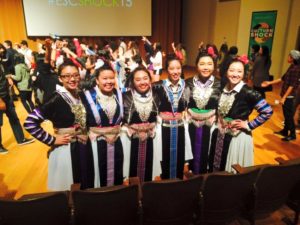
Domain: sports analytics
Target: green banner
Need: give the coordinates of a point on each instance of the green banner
(262, 29)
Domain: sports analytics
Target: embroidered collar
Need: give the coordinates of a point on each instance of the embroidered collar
(69, 98)
(171, 85)
(77, 108)
(108, 103)
(174, 97)
(143, 105)
(144, 95)
(237, 88)
(208, 83)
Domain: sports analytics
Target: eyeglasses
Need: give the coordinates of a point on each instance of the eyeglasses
(69, 76)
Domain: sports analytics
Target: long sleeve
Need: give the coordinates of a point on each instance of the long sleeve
(265, 112)
(149, 48)
(78, 47)
(33, 125)
(18, 73)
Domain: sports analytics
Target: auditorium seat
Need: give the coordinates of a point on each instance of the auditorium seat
(224, 196)
(293, 201)
(37, 209)
(109, 205)
(271, 190)
(170, 202)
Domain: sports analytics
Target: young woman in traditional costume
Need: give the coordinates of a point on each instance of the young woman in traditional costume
(71, 158)
(175, 138)
(204, 91)
(232, 142)
(140, 123)
(105, 114)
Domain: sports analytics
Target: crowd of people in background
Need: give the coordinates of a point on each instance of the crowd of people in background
(114, 118)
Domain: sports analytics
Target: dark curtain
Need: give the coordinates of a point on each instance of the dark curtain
(166, 22)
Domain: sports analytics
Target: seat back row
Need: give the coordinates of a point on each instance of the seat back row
(211, 199)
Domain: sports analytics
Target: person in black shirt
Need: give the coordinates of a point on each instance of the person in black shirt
(10, 108)
(10, 64)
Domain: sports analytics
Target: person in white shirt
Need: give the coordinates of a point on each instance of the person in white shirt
(157, 61)
(27, 52)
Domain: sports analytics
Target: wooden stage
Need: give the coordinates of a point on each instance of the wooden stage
(24, 169)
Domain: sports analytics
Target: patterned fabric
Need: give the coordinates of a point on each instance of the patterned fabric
(173, 87)
(174, 97)
(201, 85)
(202, 91)
(225, 102)
(246, 99)
(92, 99)
(173, 150)
(142, 160)
(77, 108)
(32, 125)
(219, 150)
(291, 78)
(143, 105)
(265, 112)
(110, 164)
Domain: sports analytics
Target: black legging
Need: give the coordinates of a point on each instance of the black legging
(288, 112)
(26, 100)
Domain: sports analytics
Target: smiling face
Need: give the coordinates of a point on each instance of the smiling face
(174, 71)
(70, 78)
(205, 66)
(141, 81)
(235, 73)
(106, 81)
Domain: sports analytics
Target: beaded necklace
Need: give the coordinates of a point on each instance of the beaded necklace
(108, 104)
(174, 96)
(201, 95)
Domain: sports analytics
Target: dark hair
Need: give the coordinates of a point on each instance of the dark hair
(67, 62)
(4, 51)
(157, 47)
(255, 48)
(71, 46)
(202, 53)
(131, 76)
(224, 48)
(296, 61)
(171, 57)
(8, 42)
(104, 54)
(113, 45)
(23, 42)
(38, 57)
(106, 66)
(65, 39)
(178, 46)
(92, 58)
(233, 50)
(138, 59)
(266, 54)
(19, 58)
